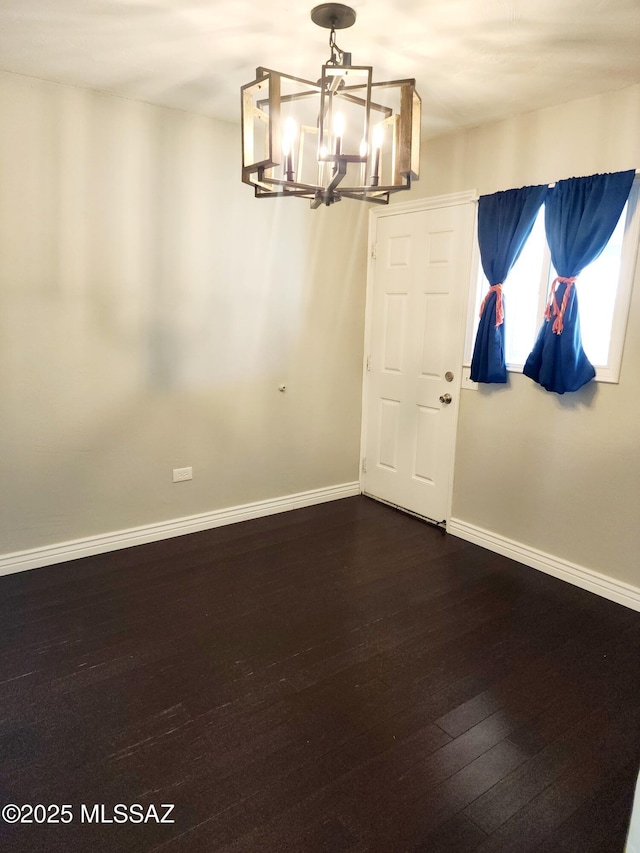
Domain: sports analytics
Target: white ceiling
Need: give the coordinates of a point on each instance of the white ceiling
(474, 60)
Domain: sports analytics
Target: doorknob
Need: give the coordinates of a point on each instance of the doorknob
(446, 399)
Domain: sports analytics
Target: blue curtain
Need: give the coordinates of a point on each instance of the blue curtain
(580, 217)
(505, 221)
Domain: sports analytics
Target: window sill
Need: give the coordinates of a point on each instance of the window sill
(603, 374)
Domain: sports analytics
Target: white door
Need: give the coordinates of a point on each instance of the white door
(417, 297)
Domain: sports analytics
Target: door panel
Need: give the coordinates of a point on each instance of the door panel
(434, 311)
(388, 444)
(420, 281)
(394, 330)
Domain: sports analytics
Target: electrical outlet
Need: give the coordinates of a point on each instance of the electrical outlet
(182, 474)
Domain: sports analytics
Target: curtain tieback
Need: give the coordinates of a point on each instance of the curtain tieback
(552, 304)
(497, 289)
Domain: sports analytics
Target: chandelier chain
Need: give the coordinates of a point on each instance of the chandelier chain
(336, 52)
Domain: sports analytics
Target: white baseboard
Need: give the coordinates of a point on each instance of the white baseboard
(622, 593)
(35, 558)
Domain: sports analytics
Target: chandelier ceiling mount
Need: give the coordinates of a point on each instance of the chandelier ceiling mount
(333, 16)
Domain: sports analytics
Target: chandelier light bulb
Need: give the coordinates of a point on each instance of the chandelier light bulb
(288, 139)
(377, 138)
(289, 135)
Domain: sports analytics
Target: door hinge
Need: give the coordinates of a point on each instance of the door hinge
(373, 251)
(364, 465)
(368, 364)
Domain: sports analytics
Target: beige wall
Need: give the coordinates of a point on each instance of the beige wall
(149, 309)
(560, 474)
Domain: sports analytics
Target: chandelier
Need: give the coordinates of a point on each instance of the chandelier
(340, 137)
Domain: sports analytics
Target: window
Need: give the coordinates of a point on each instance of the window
(603, 288)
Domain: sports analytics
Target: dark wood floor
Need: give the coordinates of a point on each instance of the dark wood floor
(341, 678)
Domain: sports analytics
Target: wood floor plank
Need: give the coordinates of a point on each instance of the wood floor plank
(341, 678)
(585, 773)
(590, 828)
(454, 835)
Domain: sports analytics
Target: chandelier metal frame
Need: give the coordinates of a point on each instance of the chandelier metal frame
(340, 137)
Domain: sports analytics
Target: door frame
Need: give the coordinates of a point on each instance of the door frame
(376, 213)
